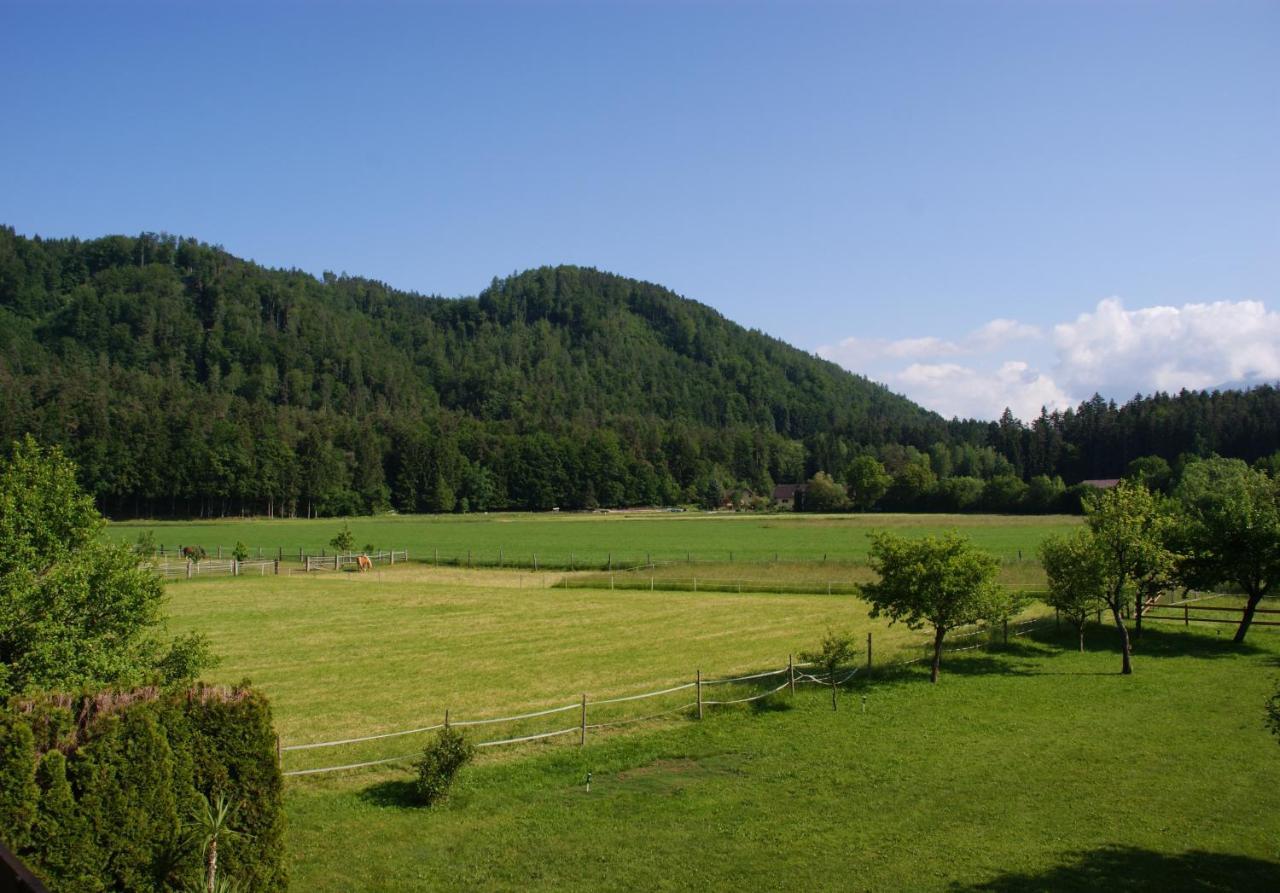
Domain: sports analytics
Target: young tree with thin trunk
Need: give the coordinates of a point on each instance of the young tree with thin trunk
(1127, 529)
(1229, 518)
(939, 582)
(1076, 577)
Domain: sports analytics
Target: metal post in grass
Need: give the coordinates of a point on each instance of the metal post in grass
(582, 736)
(698, 683)
(791, 674)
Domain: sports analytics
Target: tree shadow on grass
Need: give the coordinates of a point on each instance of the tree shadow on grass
(1137, 870)
(1155, 642)
(396, 793)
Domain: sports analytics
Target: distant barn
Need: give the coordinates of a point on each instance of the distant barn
(785, 494)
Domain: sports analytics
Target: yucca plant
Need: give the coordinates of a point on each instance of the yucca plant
(211, 825)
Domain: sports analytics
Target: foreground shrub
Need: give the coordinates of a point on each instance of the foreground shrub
(99, 789)
(440, 763)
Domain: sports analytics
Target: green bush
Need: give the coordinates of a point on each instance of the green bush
(96, 791)
(240, 552)
(440, 763)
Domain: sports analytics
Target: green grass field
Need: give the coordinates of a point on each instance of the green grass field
(592, 539)
(1028, 767)
(346, 655)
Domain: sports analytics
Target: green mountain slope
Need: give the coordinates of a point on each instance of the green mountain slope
(184, 379)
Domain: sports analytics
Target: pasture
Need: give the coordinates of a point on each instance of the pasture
(625, 538)
(1030, 766)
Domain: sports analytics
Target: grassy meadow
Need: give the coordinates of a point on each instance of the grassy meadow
(1030, 766)
(347, 655)
(628, 538)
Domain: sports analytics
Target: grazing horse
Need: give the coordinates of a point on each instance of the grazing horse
(364, 563)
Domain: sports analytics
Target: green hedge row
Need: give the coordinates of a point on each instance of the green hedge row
(97, 792)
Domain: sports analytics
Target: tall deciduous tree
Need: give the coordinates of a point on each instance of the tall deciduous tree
(1231, 528)
(75, 609)
(939, 582)
(1076, 577)
(1128, 529)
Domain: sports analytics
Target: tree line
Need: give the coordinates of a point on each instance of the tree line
(184, 381)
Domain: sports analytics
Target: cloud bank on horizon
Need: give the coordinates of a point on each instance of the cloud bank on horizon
(1110, 350)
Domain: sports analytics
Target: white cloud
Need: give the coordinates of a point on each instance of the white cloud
(990, 336)
(1119, 351)
(955, 390)
(1110, 350)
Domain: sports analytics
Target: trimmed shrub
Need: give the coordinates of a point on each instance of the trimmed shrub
(112, 779)
(440, 763)
(18, 791)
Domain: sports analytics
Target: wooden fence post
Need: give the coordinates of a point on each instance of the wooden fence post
(1186, 615)
(235, 567)
(188, 568)
(582, 737)
(277, 567)
(791, 674)
(698, 681)
(279, 750)
(219, 551)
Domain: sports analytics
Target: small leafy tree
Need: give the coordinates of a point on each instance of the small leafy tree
(1230, 524)
(1076, 577)
(240, 552)
(837, 650)
(345, 540)
(939, 582)
(145, 545)
(822, 494)
(440, 763)
(867, 481)
(1128, 530)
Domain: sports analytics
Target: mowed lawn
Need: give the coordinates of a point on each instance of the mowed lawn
(346, 655)
(628, 538)
(1029, 767)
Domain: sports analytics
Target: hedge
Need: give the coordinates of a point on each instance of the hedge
(97, 791)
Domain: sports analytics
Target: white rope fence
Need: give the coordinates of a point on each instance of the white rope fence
(792, 672)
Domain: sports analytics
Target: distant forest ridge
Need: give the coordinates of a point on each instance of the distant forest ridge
(185, 381)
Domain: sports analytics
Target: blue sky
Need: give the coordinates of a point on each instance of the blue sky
(982, 204)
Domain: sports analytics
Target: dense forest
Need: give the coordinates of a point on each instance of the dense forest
(185, 381)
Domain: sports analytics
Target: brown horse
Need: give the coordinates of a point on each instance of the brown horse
(364, 563)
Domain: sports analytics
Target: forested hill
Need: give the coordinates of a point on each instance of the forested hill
(178, 375)
(186, 381)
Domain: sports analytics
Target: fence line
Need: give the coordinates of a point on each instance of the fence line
(794, 674)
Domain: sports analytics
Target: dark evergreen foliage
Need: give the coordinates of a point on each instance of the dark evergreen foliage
(99, 788)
